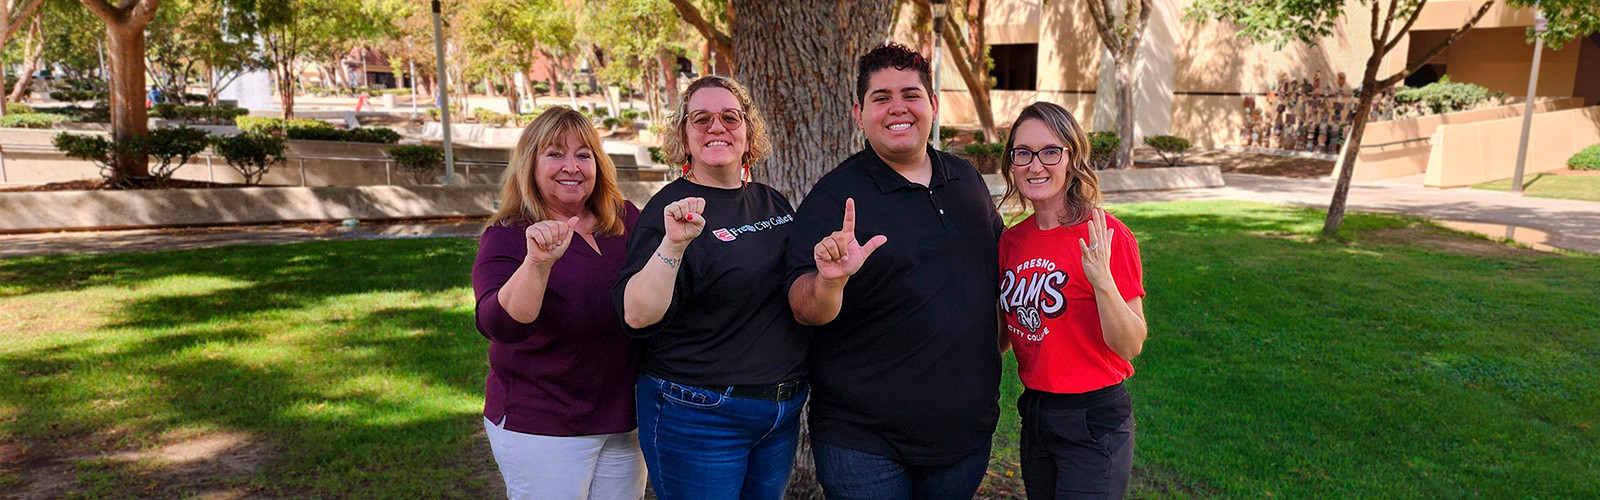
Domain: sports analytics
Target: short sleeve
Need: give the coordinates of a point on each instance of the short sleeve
(1126, 267)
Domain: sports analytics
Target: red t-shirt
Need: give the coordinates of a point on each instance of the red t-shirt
(1050, 309)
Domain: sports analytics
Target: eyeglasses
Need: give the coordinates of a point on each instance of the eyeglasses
(732, 119)
(1021, 157)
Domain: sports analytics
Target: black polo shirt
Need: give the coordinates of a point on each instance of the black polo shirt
(909, 369)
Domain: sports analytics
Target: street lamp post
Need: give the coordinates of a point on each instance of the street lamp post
(450, 177)
(1539, 27)
(937, 8)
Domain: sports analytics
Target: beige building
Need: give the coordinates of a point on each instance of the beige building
(1193, 78)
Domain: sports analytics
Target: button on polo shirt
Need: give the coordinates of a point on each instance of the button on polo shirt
(909, 368)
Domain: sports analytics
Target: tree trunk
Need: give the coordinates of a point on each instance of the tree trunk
(1352, 149)
(32, 49)
(803, 78)
(1124, 74)
(669, 73)
(513, 97)
(129, 119)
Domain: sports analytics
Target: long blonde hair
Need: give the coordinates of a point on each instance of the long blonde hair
(674, 141)
(520, 199)
(1083, 187)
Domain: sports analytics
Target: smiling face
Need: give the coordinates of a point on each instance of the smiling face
(565, 174)
(718, 145)
(1041, 184)
(896, 113)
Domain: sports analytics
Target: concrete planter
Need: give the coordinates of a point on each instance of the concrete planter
(1143, 179)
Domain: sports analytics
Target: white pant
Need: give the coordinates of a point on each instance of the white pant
(600, 467)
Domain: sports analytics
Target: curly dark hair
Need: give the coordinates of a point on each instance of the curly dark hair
(891, 55)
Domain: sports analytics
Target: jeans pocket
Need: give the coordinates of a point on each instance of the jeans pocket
(689, 396)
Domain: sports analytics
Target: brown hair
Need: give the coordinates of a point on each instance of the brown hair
(520, 199)
(674, 141)
(1083, 187)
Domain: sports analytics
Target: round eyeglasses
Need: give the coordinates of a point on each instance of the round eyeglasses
(732, 119)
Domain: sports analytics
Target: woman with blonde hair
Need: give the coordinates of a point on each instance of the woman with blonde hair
(558, 408)
(1071, 290)
(722, 377)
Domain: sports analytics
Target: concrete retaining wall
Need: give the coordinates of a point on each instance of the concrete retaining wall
(1400, 148)
(1475, 153)
(87, 210)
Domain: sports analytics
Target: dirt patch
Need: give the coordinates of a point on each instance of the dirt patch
(214, 465)
(100, 185)
(1447, 241)
(1244, 162)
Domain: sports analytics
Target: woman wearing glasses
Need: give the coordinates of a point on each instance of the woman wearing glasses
(1071, 289)
(722, 377)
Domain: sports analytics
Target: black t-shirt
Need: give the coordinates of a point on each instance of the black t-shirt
(729, 321)
(909, 369)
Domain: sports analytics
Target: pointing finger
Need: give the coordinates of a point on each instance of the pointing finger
(849, 215)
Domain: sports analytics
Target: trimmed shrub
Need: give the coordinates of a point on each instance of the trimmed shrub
(395, 92)
(17, 108)
(631, 115)
(1171, 148)
(78, 95)
(173, 143)
(602, 112)
(1103, 148)
(656, 156)
(946, 133)
(491, 117)
(610, 123)
(421, 161)
(277, 126)
(373, 135)
(1445, 96)
(1588, 159)
(251, 154)
(433, 113)
(98, 150)
(33, 120)
(986, 156)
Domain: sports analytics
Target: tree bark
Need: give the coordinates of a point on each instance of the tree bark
(32, 50)
(798, 58)
(129, 118)
(1124, 75)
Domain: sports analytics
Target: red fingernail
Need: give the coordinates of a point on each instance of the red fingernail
(688, 217)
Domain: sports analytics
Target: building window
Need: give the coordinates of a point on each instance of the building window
(1015, 66)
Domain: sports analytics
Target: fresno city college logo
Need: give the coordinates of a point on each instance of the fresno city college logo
(1032, 292)
(732, 233)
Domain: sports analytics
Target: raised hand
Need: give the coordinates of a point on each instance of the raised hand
(548, 240)
(839, 255)
(684, 220)
(1097, 252)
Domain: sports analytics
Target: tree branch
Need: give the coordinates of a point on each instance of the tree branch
(144, 11)
(12, 25)
(1100, 12)
(1438, 49)
(1388, 22)
(1373, 28)
(104, 11)
(719, 41)
(1406, 28)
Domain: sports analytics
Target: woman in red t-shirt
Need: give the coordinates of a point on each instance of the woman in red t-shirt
(1071, 290)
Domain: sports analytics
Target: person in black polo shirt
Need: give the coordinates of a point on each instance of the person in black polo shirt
(723, 375)
(905, 360)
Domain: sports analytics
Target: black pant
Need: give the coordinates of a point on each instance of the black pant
(1077, 446)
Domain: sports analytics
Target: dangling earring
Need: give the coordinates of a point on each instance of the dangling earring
(746, 175)
(686, 170)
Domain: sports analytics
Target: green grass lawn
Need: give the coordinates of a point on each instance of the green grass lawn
(1570, 187)
(1276, 366)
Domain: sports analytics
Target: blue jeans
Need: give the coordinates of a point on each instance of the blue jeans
(848, 474)
(700, 444)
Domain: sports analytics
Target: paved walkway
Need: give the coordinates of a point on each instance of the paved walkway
(1573, 225)
(1568, 224)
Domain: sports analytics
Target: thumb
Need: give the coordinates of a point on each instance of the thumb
(872, 245)
(572, 223)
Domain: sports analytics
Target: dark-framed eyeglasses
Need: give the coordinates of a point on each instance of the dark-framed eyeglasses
(1047, 156)
(732, 119)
